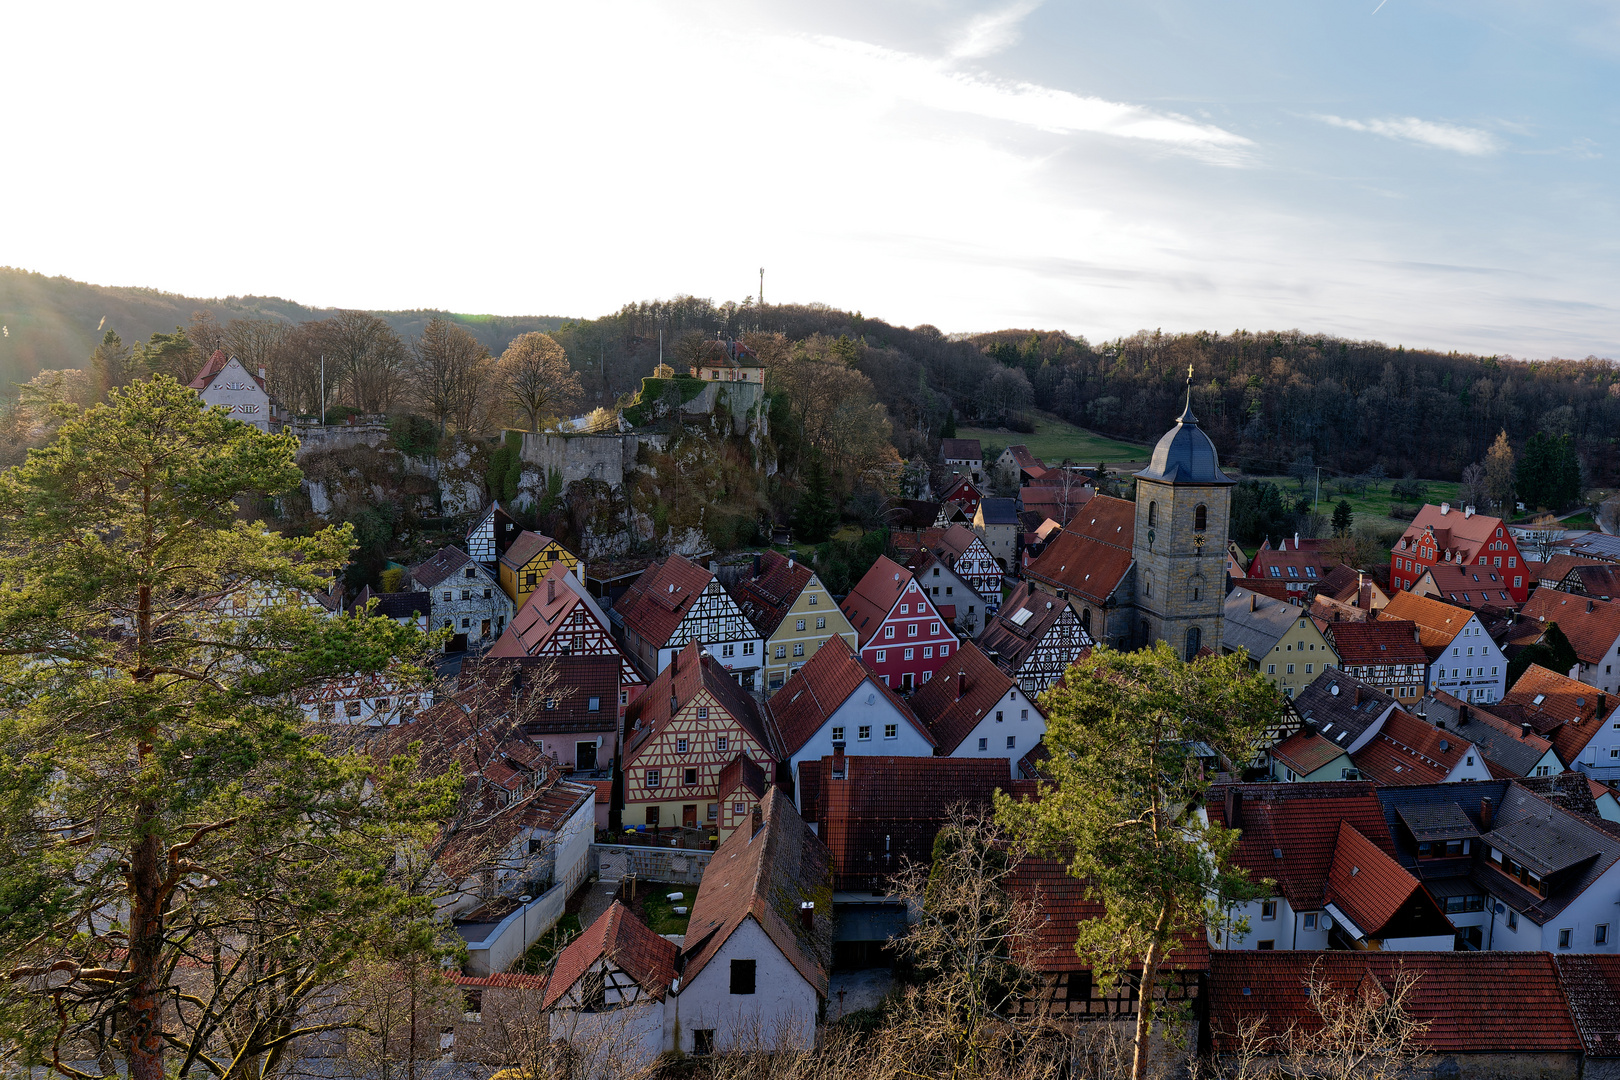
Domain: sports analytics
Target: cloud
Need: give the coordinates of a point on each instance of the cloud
(1461, 140)
(932, 84)
(991, 32)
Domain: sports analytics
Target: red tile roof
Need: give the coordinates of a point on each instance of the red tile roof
(765, 875)
(1302, 822)
(522, 688)
(1469, 1001)
(874, 596)
(1092, 554)
(430, 572)
(1367, 884)
(1438, 621)
(216, 363)
(1062, 902)
(1382, 641)
(1471, 586)
(661, 597)
(742, 772)
(1454, 531)
(1571, 712)
(1407, 751)
(1300, 554)
(1011, 641)
(1557, 568)
(524, 548)
(767, 596)
(1592, 625)
(889, 809)
(960, 450)
(1306, 751)
(954, 701)
(1592, 988)
(692, 669)
(798, 710)
(955, 541)
(624, 941)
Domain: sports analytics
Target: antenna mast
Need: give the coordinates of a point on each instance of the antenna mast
(762, 286)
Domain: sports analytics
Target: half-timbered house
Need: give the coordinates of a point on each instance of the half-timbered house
(965, 552)
(1034, 638)
(527, 559)
(561, 618)
(903, 637)
(742, 785)
(363, 700)
(677, 602)
(793, 611)
(691, 722)
(958, 602)
(225, 383)
(958, 496)
(606, 993)
(975, 710)
(490, 536)
(465, 598)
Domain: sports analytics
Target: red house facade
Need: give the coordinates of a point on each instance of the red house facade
(1442, 535)
(903, 638)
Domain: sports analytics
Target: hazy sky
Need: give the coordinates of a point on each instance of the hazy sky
(1429, 172)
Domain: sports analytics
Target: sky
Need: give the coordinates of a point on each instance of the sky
(1434, 173)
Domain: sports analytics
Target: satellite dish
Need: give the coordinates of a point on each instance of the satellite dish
(1327, 922)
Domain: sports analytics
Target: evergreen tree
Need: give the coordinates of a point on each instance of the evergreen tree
(949, 430)
(816, 516)
(1342, 517)
(1534, 472)
(1567, 478)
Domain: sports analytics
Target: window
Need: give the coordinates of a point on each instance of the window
(594, 704)
(882, 655)
(888, 632)
(1268, 909)
(652, 778)
(714, 811)
(906, 608)
(488, 593)
(721, 743)
(1023, 714)
(738, 809)
(748, 648)
(821, 622)
(813, 600)
(1200, 518)
(984, 744)
(781, 652)
(728, 650)
(1512, 919)
(1290, 669)
(928, 652)
(933, 628)
(703, 712)
(445, 595)
(1456, 904)
(1308, 668)
(1310, 921)
(1079, 986)
(327, 711)
(838, 734)
(909, 653)
(1012, 742)
(1600, 934)
(1563, 937)
(1153, 514)
(944, 650)
(742, 976)
(798, 648)
(1276, 571)
(799, 625)
(1269, 943)
(864, 732)
(351, 708)
(680, 746)
(466, 624)
(911, 630)
(690, 778)
(1271, 669)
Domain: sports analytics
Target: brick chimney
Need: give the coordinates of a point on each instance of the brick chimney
(807, 916)
(961, 681)
(1486, 813)
(838, 766)
(551, 590)
(758, 819)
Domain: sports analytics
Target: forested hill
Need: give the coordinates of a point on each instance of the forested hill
(54, 322)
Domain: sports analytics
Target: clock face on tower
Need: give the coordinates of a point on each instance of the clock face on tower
(1199, 540)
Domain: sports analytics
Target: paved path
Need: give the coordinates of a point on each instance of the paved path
(848, 991)
(598, 900)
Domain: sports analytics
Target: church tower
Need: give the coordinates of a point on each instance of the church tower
(1183, 504)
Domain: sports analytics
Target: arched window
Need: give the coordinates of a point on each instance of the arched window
(1200, 518)
(1153, 514)
(1085, 619)
(1194, 642)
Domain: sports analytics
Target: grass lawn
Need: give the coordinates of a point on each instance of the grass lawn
(1372, 506)
(658, 912)
(1056, 439)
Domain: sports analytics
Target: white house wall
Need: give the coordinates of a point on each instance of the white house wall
(1471, 651)
(1021, 721)
(855, 713)
(614, 1042)
(1594, 907)
(1601, 757)
(780, 1013)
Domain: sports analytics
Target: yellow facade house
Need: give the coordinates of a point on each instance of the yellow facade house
(793, 612)
(1284, 642)
(526, 561)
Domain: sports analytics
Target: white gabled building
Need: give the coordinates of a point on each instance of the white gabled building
(606, 992)
(1463, 660)
(224, 382)
(974, 709)
(675, 602)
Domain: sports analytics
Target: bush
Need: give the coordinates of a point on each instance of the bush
(392, 580)
(1400, 510)
(413, 436)
(1020, 422)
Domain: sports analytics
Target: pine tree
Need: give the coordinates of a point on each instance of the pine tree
(949, 430)
(1342, 517)
(816, 516)
(1567, 474)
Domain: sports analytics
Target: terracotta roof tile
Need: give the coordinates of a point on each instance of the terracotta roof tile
(1306, 751)
(1366, 882)
(960, 450)
(692, 669)
(524, 548)
(1460, 996)
(430, 572)
(1592, 625)
(1571, 713)
(1012, 639)
(1302, 822)
(1557, 568)
(954, 701)
(798, 710)
(216, 363)
(661, 597)
(1383, 641)
(507, 686)
(1063, 905)
(626, 942)
(1438, 621)
(874, 596)
(1471, 586)
(767, 596)
(1592, 988)
(1092, 554)
(1408, 751)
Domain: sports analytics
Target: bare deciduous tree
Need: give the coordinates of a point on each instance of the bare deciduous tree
(255, 343)
(535, 380)
(449, 373)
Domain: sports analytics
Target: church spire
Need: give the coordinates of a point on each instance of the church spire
(1187, 416)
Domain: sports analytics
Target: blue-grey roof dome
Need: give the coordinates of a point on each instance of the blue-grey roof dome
(1186, 455)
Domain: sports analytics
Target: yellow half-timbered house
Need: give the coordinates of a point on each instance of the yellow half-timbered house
(681, 733)
(524, 563)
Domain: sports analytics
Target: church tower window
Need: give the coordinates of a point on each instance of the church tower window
(1194, 643)
(1200, 518)
(1153, 515)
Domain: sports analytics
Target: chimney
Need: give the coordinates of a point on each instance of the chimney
(838, 771)
(551, 590)
(261, 374)
(1440, 723)
(1524, 729)
(1462, 715)
(1486, 813)
(1468, 512)
(807, 916)
(1296, 541)
(759, 819)
(1445, 508)
(1589, 607)
(1603, 703)
(1310, 729)
(961, 679)
(1234, 808)
(756, 566)
(1356, 698)
(1254, 601)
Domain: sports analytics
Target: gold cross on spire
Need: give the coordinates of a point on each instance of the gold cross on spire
(1189, 373)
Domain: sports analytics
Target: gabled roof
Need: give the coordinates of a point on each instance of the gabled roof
(1408, 751)
(1460, 999)
(960, 450)
(817, 690)
(765, 875)
(1438, 622)
(1571, 712)
(546, 611)
(691, 670)
(551, 695)
(1046, 501)
(767, 596)
(1592, 988)
(1020, 453)
(1311, 562)
(1507, 749)
(216, 364)
(889, 809)
(431, 572)
(1381, 641)
(524, 547)
(1540, 833)
(954, 542)
(623, 940)
(1597, 546)
(1601, 580)
(1592, 625)
(874, 596)
(661, 597)
(1557, 568)
(1306, 751)
(1471, 586)
(1348, 586)
(1062, 903)
(1091, 556)
(1257, 623)
(960, 488)
(959, 695)
(1020, 624)
(1455, 531)
(998, 511)
(1367, 884)
(1342, 706)
(1290, 831)
(742, 773)
(397, 605)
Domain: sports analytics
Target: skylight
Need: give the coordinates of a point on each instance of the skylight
(1023, 616)
(1539, 698)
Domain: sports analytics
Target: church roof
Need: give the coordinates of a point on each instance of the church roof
(1186, 455)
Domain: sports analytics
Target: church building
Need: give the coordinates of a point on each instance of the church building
(1155, 570)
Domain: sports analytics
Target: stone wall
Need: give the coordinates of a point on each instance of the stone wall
(678, 866)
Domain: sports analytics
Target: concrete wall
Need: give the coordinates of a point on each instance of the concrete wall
(679, 866)
(580, 457)
(514, 934)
